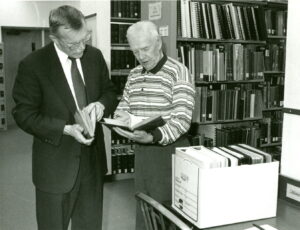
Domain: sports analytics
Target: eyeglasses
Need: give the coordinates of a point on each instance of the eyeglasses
(76, 45)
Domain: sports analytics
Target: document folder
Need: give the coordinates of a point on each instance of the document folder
(217, 196)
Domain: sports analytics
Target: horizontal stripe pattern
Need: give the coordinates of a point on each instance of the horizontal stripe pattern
(169, 93)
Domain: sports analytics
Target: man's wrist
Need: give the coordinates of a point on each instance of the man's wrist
(156, 135)
(101, 105)
(67, 129)
(151, 138)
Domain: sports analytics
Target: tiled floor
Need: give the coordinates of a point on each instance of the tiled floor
(17, 202)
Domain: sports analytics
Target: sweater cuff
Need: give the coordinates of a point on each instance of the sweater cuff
(157, 136)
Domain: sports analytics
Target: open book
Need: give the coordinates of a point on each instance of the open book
(86, 121)
(136, 123)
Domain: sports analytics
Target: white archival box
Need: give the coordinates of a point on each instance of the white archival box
(219, 196)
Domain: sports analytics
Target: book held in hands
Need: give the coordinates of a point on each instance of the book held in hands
(86, 121)
(136, 123)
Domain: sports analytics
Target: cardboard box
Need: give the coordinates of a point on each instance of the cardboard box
(220, 196)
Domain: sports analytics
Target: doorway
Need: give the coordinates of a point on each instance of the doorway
(18, 43)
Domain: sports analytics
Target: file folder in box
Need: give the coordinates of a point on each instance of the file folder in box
(218, 196)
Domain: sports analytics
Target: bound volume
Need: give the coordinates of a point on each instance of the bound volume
(136, 123)
(86, 121)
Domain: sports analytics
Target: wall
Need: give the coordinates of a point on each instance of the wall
(102, 9)
(35, 14)
(291, 123)
(167, 19)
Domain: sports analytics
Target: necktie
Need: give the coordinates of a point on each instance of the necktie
(78, 84)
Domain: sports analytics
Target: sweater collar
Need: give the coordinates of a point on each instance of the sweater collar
(158, 66)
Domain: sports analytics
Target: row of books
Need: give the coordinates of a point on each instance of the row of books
(118, 33)
(273, 93)
(220, 21)
(1, 68)
(122, 59)
(271, 130)
(276, 21)
(201, 139)
(125, 9)
(229, 156)
(256, 134)
(122, 159)
(2, 121)
(2, 107)
(275, 151)
(1, 93)
(227, 104)
(119, 82)
(117, 139)
(275, 115)
(223, 62)
(243, 134)
(275, 57)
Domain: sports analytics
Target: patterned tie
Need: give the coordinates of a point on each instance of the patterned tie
(78, 84)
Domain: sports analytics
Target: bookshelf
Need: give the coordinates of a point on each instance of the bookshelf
(3, 118)
(123, 14)
(276, 26)
(244, 43)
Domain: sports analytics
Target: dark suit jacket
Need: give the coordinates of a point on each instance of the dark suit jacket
(44, 105)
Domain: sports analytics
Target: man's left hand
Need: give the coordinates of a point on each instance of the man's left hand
(98, 108)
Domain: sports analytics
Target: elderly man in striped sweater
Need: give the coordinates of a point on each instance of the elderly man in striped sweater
(162, 86)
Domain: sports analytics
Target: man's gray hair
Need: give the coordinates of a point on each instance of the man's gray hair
(145, 27)
(65, 16)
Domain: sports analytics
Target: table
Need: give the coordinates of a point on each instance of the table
(288, 218)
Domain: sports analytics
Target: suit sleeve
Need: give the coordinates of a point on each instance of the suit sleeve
(108, 97)
(28, 114)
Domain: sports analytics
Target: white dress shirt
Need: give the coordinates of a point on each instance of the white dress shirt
(66, 65)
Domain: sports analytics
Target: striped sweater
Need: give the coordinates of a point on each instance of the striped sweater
(167, 90)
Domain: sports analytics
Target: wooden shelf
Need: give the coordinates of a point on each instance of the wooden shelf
(277, 3)
(125, 20)
(118, 46)
(228, 82)
(204, 40)
(229, 121)
(120, 72)
(274, 72)
(272, 109)
(239, 2)
(270, 145)
(121, 176)
(276, 37)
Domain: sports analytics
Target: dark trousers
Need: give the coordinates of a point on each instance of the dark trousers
(82, 205)
(153, 173)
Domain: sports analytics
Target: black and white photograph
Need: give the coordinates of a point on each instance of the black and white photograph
(149, 115)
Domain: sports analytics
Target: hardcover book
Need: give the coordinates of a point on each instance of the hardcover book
(86, 121)
(136, 123)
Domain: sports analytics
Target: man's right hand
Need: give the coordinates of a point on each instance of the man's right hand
(76, 131)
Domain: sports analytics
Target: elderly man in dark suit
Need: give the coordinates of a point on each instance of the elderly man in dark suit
(52, 83)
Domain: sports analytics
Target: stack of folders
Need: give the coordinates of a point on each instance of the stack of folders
(209, 185)
(230, 156)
